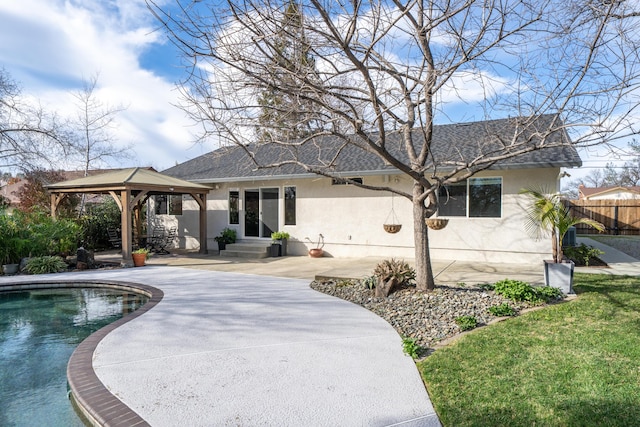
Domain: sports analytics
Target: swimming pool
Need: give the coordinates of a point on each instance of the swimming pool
(39, 330)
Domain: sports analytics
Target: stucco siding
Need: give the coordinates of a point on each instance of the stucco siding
(351, 220)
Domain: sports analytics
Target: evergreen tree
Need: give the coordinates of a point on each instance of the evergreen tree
(288, 115)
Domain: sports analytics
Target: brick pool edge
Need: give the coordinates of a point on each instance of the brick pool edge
(88, 394)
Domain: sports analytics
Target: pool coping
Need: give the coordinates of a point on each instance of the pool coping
(88, 394)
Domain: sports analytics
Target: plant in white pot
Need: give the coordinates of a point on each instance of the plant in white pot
(548, 215)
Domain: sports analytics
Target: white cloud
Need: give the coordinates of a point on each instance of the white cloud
(51, 46)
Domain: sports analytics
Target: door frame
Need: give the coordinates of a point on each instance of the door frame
(261, 207)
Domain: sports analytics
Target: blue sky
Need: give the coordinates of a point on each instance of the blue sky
(50, 46)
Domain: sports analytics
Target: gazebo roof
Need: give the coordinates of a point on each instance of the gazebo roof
(132, 179)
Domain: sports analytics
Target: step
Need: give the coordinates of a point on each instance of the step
(253, 250)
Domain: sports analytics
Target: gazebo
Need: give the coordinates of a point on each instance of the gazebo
(130, 188)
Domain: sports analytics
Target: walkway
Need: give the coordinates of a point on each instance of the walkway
(238, 349)
(228, 348)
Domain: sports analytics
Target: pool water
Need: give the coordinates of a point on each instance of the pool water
(39, 330)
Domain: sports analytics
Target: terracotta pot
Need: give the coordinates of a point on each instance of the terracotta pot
(316, 253)
(139, 259)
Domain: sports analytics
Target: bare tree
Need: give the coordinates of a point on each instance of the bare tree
(29, 136)
(394, 68)
(94, 124)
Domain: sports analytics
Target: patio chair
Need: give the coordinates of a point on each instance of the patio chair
(114, 238)
(161, 238)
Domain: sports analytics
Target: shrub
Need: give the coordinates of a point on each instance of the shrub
(502, 310)
(410, 347)
(228, 236)
(279, 235)
(398, 269)
(583, 254)
(100, 218)
(517, 290)
(466, 322)
(369, 282)
(45, 264)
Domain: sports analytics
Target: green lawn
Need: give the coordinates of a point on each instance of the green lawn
(570, 364)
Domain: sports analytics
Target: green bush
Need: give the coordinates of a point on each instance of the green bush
(99, 218)
(583, 254)
(279, 235)
(36, 234)
(228, 236)
(45, 264)
(518, 291)
(502, 310)
(410, 347)
(466, 322)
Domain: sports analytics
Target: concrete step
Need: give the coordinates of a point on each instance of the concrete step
(253, 250)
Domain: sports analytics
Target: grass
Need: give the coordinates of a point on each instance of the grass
(570, 364)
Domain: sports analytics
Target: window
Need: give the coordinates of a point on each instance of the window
(168, 204)
(476, 198)
(453, 200)
(485, 197)
(234, 207)
(289, 205)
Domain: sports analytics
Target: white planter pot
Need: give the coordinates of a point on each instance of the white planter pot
(559, 275)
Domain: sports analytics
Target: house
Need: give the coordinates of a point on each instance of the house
(609, 193)
(486, 212)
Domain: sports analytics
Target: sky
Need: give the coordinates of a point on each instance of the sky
(51, 46)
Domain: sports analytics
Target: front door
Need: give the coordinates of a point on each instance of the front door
(261, 212)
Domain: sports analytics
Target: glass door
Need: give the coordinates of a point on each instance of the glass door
(252, 213)
(270, 202)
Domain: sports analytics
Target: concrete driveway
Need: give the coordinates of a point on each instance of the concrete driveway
(245, 350)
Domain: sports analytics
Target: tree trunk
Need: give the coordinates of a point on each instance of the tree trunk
(424, 273)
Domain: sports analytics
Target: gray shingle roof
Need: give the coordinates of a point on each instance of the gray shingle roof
(460, 142)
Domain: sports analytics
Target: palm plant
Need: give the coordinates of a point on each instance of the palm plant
(548, 214)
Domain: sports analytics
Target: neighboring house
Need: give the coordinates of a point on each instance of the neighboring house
(608, 193)
(486, 213)
(10, 190)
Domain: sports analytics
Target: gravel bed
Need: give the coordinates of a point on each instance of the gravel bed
(427, 317)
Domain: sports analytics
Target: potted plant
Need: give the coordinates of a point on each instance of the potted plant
(280, 238)
(317, 252)
(140, 257)
(548, 215)
(226, 237)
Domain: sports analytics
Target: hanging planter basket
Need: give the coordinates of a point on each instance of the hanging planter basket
(392, 224)
(392, 228)
(436, 223)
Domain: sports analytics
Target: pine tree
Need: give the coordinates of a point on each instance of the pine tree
(287, 113)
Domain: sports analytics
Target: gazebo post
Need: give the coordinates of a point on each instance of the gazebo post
(203, 223)
(125, 196)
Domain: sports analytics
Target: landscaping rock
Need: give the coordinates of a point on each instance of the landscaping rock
(427, 317)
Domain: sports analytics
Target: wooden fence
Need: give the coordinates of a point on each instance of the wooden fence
(618, 216)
